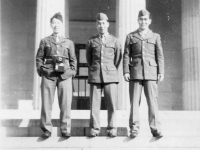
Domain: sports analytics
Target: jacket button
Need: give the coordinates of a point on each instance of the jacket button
(143, 46)
(102, 64)
(102, 52)
(101, 57)
(57, 45)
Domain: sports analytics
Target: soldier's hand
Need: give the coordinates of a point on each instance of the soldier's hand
(39, 71)
(160, 77)
(127, 77)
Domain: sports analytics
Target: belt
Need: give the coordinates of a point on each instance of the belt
(49, 61)
(52, 61)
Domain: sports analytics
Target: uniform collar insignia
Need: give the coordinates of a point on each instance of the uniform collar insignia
(97, 39)
(108, 38)
(53, 40)
(148, 34)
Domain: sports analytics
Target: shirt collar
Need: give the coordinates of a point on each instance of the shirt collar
(143, 32)
(57, 35)
(105, 35)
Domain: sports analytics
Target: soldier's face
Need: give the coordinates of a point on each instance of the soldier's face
(144, 22)
(102, 26)
(56, 25)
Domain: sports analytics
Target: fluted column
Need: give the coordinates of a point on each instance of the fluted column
(45, 10)
(191, 54)
(126, 22)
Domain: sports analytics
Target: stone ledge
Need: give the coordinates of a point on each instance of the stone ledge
(185, 131)
(100, 142)
(37, 132)
(113, 149)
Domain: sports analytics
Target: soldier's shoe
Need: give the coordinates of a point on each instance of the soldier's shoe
(158, 135)
(93, 134)
(133, 134)
(112, 133)
(65, 134)
(46, 134)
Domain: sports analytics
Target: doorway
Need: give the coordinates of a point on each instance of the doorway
(81, 88)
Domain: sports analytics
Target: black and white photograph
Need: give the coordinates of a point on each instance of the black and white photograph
(100, 74)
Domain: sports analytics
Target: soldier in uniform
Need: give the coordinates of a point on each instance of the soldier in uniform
(143, 66)
(103, 58)
(56, 64)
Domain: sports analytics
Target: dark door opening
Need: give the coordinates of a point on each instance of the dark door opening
(81, 88)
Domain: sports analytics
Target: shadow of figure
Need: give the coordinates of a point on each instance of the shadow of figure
(61, 139)
(41, 139)
(109, 137)
(128, 139)
(154, 139)
(90, 137)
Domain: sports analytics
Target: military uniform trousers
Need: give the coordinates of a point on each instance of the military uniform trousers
(110, 94)
(151, 94)
(64, 92)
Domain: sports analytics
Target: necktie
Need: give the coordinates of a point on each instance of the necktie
(142, 35)
(57, 39)
(103, 38)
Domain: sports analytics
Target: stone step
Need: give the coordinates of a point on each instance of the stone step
(84, 131)
(142, 143)
(37, 132)
(85, 122)
(108, 149)
(173, 124)
(85, 114)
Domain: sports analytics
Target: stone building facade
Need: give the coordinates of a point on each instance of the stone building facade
(25, 22)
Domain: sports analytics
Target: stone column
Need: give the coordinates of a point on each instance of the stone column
(45, 10)
(191, 54)
(66, 13)
(126, 22)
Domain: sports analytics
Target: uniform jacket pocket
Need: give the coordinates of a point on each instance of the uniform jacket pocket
(134, 41)
(93, 68)
(111, 68)
(151, 44)
(111, 45)
(152, 63)
(110, 48)
(133, 62)
(95, 45)
(66, 49)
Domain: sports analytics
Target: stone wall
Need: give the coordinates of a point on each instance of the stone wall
(18, 19)
(166, 20)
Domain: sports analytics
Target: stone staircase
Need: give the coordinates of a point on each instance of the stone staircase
(20, 130)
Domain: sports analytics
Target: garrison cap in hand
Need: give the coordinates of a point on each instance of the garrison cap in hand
(57, 16)
(101, 16)
(143, 13)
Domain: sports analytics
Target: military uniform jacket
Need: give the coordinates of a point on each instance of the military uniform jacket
(103, 59)
(49, 48)
(143, 58)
